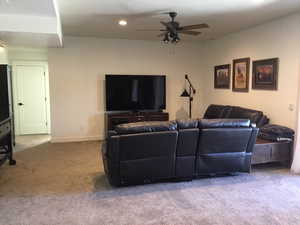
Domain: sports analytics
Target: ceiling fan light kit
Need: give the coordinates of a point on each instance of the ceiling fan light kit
(174, 38)
(166, 38)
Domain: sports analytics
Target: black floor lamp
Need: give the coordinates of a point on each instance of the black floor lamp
(189, 94)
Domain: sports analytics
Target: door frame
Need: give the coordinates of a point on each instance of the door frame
(14, 84)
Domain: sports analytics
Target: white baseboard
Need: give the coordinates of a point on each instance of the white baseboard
(76, 139)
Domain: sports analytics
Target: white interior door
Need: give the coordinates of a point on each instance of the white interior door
(30, 99)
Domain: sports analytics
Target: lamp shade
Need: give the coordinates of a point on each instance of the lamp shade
(185, 94)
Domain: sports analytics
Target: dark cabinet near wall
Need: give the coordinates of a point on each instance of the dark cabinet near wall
(114, 119)
(6, 116)
(267, 151)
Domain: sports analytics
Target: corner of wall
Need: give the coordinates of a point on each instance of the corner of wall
(3, 55)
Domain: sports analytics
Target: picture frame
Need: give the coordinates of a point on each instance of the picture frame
(222, 76)
(240, 80)
(265, 74)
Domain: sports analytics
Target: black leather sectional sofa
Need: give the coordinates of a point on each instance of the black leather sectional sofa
(152, 151)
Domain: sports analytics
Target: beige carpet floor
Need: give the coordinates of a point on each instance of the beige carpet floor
(58, 169)
(64, 184)
(24, 142)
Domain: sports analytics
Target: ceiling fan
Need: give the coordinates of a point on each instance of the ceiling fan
(173, 29)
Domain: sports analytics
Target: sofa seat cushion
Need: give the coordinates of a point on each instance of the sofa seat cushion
(242, 113)
(187, 124)
(144, 127)
(223, 123)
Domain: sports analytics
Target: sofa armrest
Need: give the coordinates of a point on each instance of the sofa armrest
(111, 133)
(111, 159)
(112, 148)
(252, 140)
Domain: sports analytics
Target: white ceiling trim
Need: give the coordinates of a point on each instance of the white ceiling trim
(30, 29)
(34, 24)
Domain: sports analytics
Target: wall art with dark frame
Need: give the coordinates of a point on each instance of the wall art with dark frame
(222, 76)
(240, 80)
(265, 74)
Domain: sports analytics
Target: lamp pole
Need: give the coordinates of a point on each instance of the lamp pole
(192, 91)
(190, 100)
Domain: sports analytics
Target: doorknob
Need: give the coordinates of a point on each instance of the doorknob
(20, 103)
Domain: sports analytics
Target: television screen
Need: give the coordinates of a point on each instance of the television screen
(4, 102)
(135, 92)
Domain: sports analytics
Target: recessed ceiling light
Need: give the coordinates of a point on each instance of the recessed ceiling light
(122, 22)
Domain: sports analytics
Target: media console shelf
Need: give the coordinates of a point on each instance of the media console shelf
(114, 119)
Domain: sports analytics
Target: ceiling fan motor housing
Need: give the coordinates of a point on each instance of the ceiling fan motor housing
(173, 15)
(175, 24)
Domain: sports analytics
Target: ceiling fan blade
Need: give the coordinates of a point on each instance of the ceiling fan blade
(150, 30)
(149, 14)
(164, 23)
(162, 34)
(195, 26)
(195, 33)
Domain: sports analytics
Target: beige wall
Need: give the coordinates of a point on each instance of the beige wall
(3, 56)
(27, 54)
(77, 75)
(77, 79)
(279, 38)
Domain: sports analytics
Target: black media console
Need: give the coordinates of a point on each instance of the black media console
(114, 119)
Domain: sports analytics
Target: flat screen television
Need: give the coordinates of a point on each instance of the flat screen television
(135, 92)
(4, 99)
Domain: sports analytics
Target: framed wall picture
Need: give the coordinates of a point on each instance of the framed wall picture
(265, 74)
(240, 81)
(222, 76)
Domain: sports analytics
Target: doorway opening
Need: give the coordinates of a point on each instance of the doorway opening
(31, 104)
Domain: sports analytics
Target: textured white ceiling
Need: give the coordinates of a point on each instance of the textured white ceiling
(27, 7)
(100, 17)
(28, 39)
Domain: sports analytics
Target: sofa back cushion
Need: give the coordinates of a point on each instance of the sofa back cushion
(223, 135)
(242, 113)
(147, 156)
(187, 124)
(223, 140)
(216, 111)
(145, 127)
(148, 145)
(223, 123)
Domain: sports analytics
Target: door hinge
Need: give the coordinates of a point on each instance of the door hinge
(46, 124)
(45, 99)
